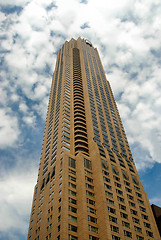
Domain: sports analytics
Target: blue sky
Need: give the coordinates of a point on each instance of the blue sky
(127, 35)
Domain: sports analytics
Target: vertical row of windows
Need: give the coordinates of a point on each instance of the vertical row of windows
(91, 98)
(46, 158)
(104, 133)
(66, 109)
(59, 200)
(100, 113)
(90, 198)
(72, 207)
(57, 113)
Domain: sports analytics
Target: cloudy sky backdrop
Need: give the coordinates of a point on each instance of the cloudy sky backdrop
(127, 35)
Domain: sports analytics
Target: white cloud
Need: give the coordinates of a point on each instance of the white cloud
(29, 120)
(14, 3)
(16, 192)
(9, 130)
(23, 107)
(155, 201)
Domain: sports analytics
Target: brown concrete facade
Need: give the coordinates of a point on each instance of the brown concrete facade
(88, 186)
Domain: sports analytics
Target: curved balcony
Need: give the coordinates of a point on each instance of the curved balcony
(80, 132)
(79, 120)
(79, 115)
(79, 124)
(82, 143)
(80, 137)
(78, 106)
(82, 149)
(80, 129)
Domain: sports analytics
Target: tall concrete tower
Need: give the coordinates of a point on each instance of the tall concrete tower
(88, 186)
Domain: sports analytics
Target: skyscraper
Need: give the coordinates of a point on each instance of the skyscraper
(87, 186)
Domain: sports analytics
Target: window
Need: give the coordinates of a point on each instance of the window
(130, 197)
(107, 186)
(72, 172)
(91, 194)
(65, 148)
(72, 228)
(116, 178)
(122, 207)
(117, 184)
(144, 216)
(127, 183)
(72, 193)
(135, 181)
(133, 212)
(128, 190)
(139, 237)
(125, 175)
(72, 218)
(93, 238)
(72, 163)
(127, 234)
(72, 185)
(87, 164)
(114, 228)
(92, 219)
(72, 178)
(104, 164)
(124, 215)
(109, 201)
(67, 138)
(92, 229)
(120, 199)
(109, 194)
(71, 200)
(88, 179)
(126, 224)
(72, 209)
(119, 191)
(111, 210)
(140, 201)
(139, 195)
(115, 237)
(91, 210)
(87, 172)
(115, 170)
(147, 225)
(112, 219)
(58, 237)
(71, 237)
(106, 179)
(148, 233)
(142, 209)
(138, 229)
(64, 142)
(89, 186)
(132, 204)
(90, 201)
(137, 188)
(136, 220)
